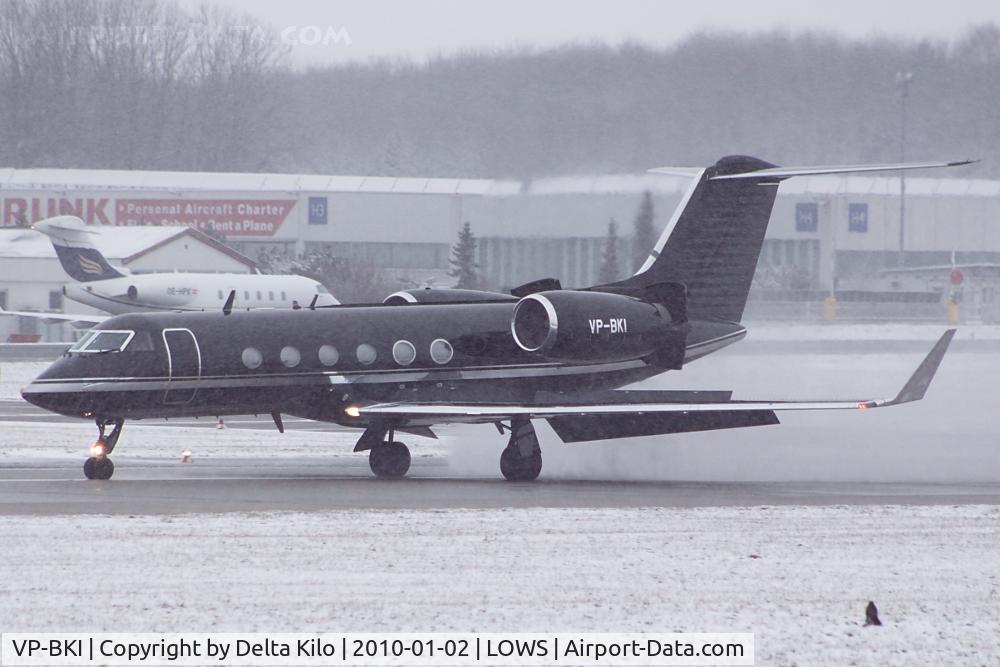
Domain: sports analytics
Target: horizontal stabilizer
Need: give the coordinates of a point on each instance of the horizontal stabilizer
(788, 172)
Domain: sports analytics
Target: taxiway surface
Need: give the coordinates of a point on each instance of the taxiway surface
(148, 487)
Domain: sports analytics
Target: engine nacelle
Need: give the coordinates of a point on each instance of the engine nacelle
(443, 295)
(583, 326)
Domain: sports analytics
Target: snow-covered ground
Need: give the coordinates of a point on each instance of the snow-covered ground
(798, 577)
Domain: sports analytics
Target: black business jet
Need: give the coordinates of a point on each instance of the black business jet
(426, 357)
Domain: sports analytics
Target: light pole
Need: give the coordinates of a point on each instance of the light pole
(903, 80)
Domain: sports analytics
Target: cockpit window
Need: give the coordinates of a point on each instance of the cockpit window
(104, 341)
(82, 343)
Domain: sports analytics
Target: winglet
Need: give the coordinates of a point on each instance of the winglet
(228, 306)
(916, 386)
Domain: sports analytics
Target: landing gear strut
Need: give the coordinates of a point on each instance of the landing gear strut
(521, 461)
(99, 466)
(388, 458)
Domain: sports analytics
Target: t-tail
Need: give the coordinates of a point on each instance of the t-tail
(78, 256)
(704, 261)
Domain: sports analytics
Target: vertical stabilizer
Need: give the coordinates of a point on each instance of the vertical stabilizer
(78, 256)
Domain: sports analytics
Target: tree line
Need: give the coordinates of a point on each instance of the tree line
(146, 84)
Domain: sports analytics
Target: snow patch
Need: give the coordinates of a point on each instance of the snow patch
(797, 577)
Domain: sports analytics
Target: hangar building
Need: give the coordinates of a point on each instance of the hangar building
(826, 232)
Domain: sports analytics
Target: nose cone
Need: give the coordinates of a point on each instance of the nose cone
(55, 391)
(35, 394)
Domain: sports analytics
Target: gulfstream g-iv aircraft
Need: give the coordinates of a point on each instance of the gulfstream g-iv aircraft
(438, 356)
(101, 285)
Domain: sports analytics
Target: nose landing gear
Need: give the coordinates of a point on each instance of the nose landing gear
(99, 466)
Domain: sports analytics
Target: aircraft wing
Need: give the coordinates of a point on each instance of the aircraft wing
(65, 317)
(913, 390)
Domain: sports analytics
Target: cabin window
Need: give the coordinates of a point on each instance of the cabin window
(246, 295)
(403, 352)
(142, 342)
(366, 354)
(283, 297)
(252, 358)
(220, 295)
(441, 351)
(328, 355)
(290, 356)
(258, 296)
(104, 341)
(270, 296)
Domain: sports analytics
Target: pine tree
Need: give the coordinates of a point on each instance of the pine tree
(608, 272)
(463, 259)
(643, 234)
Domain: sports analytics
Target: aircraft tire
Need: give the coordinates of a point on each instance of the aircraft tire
(516, 468)
(98, 468)
(390, 460)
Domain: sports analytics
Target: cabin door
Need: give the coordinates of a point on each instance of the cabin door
(183, 364)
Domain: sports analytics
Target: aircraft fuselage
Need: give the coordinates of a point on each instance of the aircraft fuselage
(314, 363)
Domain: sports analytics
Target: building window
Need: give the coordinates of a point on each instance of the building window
(857, 218)
(317, 211)
(55, 300)
(807, 217)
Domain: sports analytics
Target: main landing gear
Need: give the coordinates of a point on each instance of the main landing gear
(99, 466)
(386, 457)
(521, 460)
(389, 459)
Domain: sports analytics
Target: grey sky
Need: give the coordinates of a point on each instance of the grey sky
(419, 29)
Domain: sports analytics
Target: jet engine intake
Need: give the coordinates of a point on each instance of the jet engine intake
(583, 326)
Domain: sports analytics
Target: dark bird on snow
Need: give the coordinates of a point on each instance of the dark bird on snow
(871, 614)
